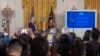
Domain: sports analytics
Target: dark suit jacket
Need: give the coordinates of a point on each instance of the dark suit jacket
(32, 26)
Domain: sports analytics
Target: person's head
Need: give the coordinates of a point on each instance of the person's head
(72, 35)
(51, 19)
(63, 45)
(14, 48)
(44, 34)
(65, 30)
(78, 48)
(52, 50)
(39, 47)
(33, 19)
(86, 36)
(95, 34)
(24, 40)
(51, 23)
(53, 31)
(39, 32)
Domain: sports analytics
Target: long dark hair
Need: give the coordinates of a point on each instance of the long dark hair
(63, 46)
(86, 35)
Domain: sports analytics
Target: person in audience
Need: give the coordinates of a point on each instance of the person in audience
(44, 34)
(65, 30)
(25, 42)
(37, 44)
(39, 47)
(25, 39)
(14, 48)
(86, 36)
(2, 45)
(29, 30)
(53, 49)
(38, 33)
(93, 46)
(72, 37)
(53, 31)
(63, 45)
(78, 48)
(6, 36)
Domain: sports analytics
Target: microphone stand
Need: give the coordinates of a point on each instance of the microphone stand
(41, 25)
(73, 27)
(71, 19)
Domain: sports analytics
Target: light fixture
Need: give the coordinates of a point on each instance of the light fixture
(7, 12)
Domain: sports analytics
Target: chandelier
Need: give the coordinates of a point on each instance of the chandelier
(7, 12)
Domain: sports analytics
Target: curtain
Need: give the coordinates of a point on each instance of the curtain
(94, 5)
(41, 10)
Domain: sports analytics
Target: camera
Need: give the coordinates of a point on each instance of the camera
(24, 32)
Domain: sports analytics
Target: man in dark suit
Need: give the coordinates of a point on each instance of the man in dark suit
(32, 24)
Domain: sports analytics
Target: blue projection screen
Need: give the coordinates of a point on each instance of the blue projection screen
(80, 19)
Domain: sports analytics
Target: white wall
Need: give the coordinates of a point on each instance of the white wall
(67, 5)
(17, 20)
